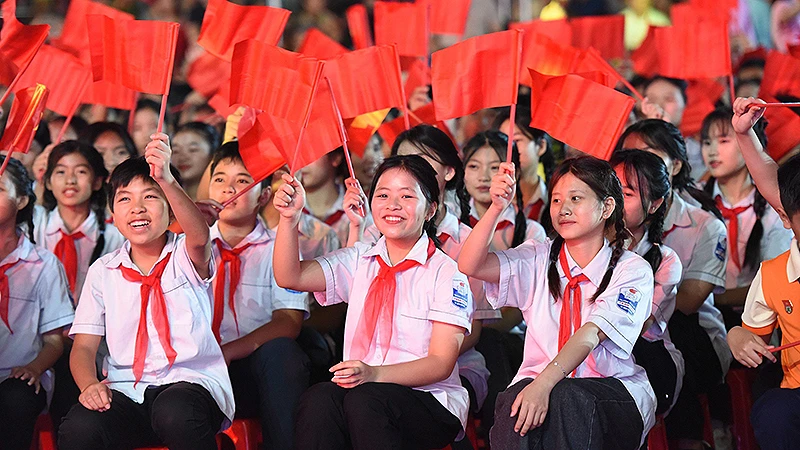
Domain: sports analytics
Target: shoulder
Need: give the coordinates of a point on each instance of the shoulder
(631, 265)
(671, 268)
(704, 220)
(534, 230)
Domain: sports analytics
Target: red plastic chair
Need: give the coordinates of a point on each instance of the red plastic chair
(244, 433)
(657, 437)
(44, 437)
(740, 382)
(708, 430)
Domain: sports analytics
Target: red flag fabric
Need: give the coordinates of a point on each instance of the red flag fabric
(207, 73)
(566, 108)
(794, 50)
(480, 72)
(694, 47)
(111, 95)
(419, 74)
(18, 43)
(545, 56)
(590, 60)
(720, 7)
(137, 54)
(360, 130)
(781, 75)
(449, 16)
(75, 32)
(273, 80)
(23, 119)
(557, 30)
(65, 76)
(259, 153)
(318, 45)
(221, 101)
(424, 114)
(225, 24)
(358, 24)
(366, 80)
(782, 135)
(404, 24)
(604, 33)
(701, 98)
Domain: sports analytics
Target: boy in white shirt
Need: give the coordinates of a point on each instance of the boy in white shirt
(167, 380)
(255, 320)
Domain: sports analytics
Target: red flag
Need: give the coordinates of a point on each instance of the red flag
(66, 78)
(111, 95)
(781, 75)
(701, 98)
(419, 74)
(137, 54)
(694, 47)
(721, 8)
(605, 33)
(480, 72)
(259, 153)
(404, 24)
(273, 80)
(221, 101)
(360, 130)
(366, 80)
(226, 23)
(18, 43)
(449, 16)
(782, 135)
(557, 30)
(424, 114)
(590, 60)
(23, 120)
(358, 23)
(75, 32)
(207, 73)
(318, 45)
(545, 56)
(794, 50)
(566, 108)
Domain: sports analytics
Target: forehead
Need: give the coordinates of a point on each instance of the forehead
(397, 178)
(139, 185)
(622, 173)
(231, 166)
(663, 88)
(569, 183)
(486, 154)
(187, 136)
(108, 138)
(72, 159)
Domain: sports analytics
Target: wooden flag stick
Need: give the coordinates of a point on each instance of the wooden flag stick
(402, 87)
(15, 142)
(5, 160)
(132, 113)
(320, 66)
(511, 125)
(15, 80)
(732, 89)
(68, 119)
(513, 115)
(343, 134)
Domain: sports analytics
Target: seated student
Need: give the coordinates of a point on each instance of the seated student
(770, 302)
(255, 321)
(645, 184)
(193, 146)
(409, 309)
(167, 380)
(585, 301)
(112, 141)
(35, 306)
(755, 232)
(325, 191)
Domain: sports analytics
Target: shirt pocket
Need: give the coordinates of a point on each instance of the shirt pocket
(178, 295)
(254, 299)
(413, 329)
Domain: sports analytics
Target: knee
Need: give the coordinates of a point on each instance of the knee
(364, 401)
(180, 410)
(566, 393)
(774, 411)
(282, 354)
(80, 429)
(17, 398)
(319, 402)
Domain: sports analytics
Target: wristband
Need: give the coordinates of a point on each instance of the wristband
(557, 365)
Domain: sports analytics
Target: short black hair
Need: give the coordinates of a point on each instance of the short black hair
(789, 185)
(129, 170)
(230, 151)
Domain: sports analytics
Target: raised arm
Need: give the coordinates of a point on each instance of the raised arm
(475, 259)
(355, 207)
(289, 271)
(198, 243)
(763, 169)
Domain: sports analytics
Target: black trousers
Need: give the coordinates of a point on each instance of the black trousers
(656, 360)
(584, 413)
(179, 415)
(503, 354)
(776, 419)
(20, 405)
(372, 416)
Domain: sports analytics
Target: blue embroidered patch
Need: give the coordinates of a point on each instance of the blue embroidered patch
(460, 294)
(628, 299)
(722, 248)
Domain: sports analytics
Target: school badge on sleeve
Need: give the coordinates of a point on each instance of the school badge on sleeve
(788, 306)
(628, 299)
(460, 293)
(722, 247)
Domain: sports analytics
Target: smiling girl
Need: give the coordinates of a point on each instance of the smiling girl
(408, 311)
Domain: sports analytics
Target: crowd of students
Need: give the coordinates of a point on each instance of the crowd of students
(563, 300)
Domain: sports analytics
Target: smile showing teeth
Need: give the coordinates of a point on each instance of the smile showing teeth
(392, 219)
(137, 224)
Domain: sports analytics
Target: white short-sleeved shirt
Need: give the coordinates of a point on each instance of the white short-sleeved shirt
(700, 240)
(257, 295)
(539, 195)
(774, 241)
(316, 238)
(667, 278)
(504, 236)
(336, 219)
(111, 305)
(434, 291)
(39, 302)
(48, 227)
(620, 312)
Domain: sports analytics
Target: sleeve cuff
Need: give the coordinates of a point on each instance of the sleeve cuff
(86, 328)
(497, 293)
(761, 331)
(458, 320)
(328, 297)
(615, 342)
(708, 277)
(56, 323)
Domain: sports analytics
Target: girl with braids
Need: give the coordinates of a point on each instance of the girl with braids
(699, 238)
(585, 300)
(645, 186)
(409, 309)
(533, 148)
(482, 157)
(755, 231)
(35, 305)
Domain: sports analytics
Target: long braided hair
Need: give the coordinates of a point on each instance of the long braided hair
(721, 119)
(650, 175)
(498, 142)
(603, 181)
(23, 187)
(98, 199)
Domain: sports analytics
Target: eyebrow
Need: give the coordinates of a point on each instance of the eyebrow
(240, 174)
(126, 191)
(76, 165)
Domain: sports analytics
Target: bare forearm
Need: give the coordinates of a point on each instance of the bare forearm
(574, 353)
(52, 348)
(511, 318)
(82, 366)
(732, 297)
(421, 372)
(189, 217)
(289, 271)
(471, 340)
(276, 328)
(763, 169)
(474, 255)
